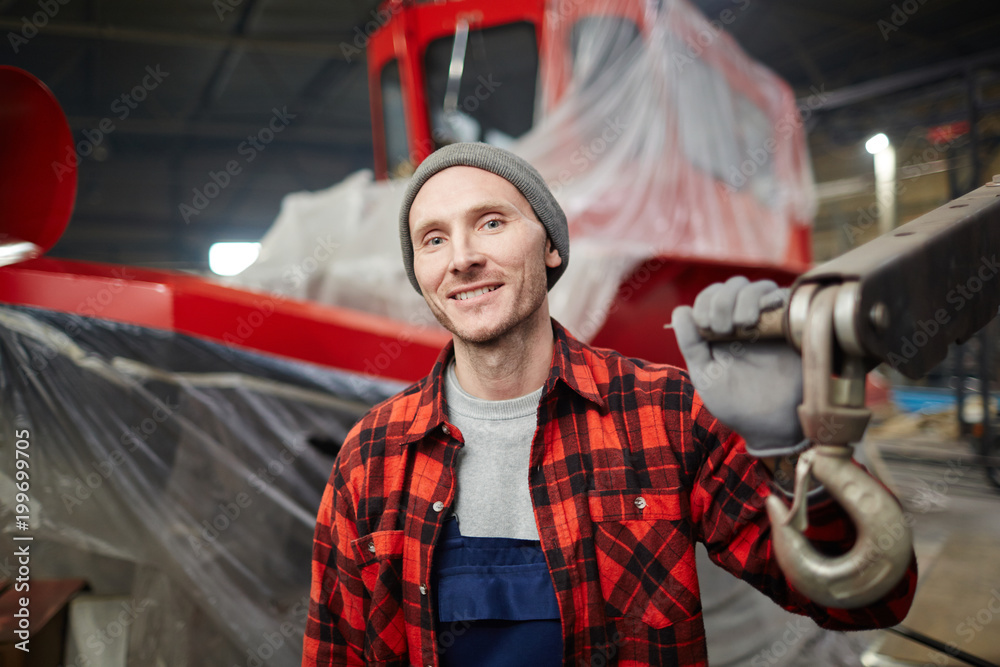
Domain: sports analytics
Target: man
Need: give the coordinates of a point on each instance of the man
(535, 501)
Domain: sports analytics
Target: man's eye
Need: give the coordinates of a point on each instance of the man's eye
(437, 240)
(493, 224)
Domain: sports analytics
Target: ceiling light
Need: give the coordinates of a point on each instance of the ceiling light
(230, 258)
(877, 144)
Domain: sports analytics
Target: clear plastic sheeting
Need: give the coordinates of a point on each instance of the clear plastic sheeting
(177, 472)
(671, 138)
(658, 135)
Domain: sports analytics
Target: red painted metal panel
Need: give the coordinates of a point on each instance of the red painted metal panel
(336, 337)
(88, 290)
(648, 296)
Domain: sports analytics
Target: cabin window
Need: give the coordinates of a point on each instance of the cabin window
(496, 96)
(397, 150)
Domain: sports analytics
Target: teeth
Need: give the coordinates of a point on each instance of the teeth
(462, 296)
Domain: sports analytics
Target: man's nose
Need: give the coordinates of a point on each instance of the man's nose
(466, 253)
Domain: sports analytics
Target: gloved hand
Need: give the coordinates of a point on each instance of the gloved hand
(752, 387)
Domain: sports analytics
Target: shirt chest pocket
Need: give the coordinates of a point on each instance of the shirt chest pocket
(379, 558)
(645, 556)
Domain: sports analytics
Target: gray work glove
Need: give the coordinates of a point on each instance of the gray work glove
(753, 387)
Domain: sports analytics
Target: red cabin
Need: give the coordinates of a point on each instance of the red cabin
(537, 52)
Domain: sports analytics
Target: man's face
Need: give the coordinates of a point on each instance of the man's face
(479, 253)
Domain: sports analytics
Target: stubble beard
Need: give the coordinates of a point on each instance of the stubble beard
(516, 319)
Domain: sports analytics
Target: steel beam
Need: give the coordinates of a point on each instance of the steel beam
(326, 49)
(894, 83)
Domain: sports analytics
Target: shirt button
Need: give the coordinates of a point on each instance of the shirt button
(371, 547)
(640, 502)
(438, 506)
(445, 429)
(423, 589)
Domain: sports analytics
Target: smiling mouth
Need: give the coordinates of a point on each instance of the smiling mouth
(462, 296)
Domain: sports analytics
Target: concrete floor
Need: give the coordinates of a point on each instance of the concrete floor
(956, 514)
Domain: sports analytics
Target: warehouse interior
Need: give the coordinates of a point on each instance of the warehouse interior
(161, 96)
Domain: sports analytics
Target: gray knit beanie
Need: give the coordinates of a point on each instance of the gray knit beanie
(504, 164)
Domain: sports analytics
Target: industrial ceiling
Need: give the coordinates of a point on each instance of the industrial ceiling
(168, 93)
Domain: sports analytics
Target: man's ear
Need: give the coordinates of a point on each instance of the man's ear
(552, 256)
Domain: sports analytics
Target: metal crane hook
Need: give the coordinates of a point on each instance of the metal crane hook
(881, 552)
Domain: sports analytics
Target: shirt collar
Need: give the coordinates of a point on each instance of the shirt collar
(570, 366)
(431, 410)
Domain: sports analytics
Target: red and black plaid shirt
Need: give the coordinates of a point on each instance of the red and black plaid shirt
(628, 470)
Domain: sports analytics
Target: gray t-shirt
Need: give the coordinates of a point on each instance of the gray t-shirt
(493, 498)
